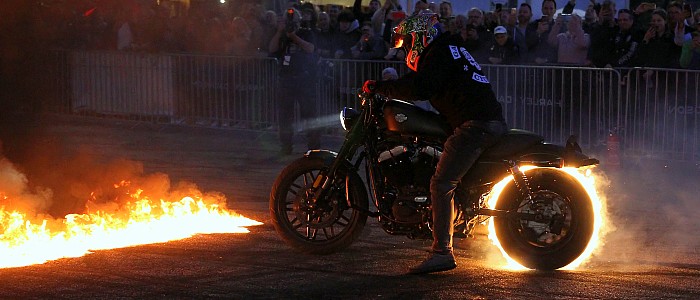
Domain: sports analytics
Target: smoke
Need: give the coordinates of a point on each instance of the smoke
(652, 209)
(56, 182)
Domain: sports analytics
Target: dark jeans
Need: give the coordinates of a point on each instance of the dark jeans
(461, 150)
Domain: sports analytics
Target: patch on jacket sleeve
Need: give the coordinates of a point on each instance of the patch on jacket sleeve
(455, 52)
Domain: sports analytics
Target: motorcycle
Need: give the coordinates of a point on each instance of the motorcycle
(319, 203)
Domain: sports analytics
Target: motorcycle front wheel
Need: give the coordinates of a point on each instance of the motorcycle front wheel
(551, 229)
(317, 227)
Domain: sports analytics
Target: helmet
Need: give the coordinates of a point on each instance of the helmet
(414, 34)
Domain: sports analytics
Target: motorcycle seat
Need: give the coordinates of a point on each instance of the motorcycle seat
(512, 142)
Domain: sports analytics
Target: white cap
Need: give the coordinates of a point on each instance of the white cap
(499, 30)
(389, 74)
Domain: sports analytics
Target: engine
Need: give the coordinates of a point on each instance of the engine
(407, 169)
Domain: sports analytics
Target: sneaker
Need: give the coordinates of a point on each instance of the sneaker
(435, 263)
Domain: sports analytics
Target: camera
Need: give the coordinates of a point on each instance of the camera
(565, 18)
(292, 20)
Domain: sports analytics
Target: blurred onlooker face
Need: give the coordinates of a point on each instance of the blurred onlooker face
(591, 16)
(445, 9)
(574, 24)
(548, 9)
(270, 18)
(420, 5)
(432, 6)
(524, 15)
(625, 21)
(324, 21)
(501, 38)
(675, 15)
(333, 11)
(343, 26)
(459, 22)
(607, 12)
(658, 22)
(367, 32)
(374, 5)
(475, 17)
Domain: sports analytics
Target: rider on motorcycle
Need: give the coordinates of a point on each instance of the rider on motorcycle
(447, 75)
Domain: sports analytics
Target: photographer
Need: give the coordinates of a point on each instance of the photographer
(293, 46)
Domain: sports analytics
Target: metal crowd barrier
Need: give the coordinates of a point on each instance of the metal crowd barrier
(654, 112)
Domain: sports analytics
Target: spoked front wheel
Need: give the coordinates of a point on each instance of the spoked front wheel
(317, 226)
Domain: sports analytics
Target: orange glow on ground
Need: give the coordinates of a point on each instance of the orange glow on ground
(587, 179)
(29, 240)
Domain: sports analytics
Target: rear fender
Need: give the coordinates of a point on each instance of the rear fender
(550, 155)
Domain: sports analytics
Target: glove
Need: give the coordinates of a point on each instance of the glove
(369, 87)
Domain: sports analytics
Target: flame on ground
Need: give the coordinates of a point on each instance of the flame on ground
(26, 242)
(587, 180)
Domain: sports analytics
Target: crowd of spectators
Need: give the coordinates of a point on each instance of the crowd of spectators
(646, 36)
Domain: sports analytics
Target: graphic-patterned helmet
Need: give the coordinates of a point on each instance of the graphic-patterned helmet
(415, 33)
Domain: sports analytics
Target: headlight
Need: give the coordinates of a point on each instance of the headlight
(348, 117)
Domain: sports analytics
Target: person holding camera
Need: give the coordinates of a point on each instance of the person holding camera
(293, 46)
(572, 45)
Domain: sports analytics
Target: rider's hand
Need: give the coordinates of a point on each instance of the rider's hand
(369, 87)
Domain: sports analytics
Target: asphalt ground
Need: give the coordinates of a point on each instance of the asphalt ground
(651, 253)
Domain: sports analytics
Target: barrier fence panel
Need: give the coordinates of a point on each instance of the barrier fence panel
(654, 111)
(558, 101)
(225, 91)
(127, 84)
(662, 117)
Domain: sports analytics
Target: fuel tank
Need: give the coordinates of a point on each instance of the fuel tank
(408, 119)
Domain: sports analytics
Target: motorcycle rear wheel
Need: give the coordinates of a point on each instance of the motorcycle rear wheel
(313, 228)
(546, 245)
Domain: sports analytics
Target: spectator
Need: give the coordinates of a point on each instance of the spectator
(446, 16)
(490, 20)
(369, 46)
(445, 10)
(543, 52)
(293, 46)
(642, 15)
(333, 13)
(324, 36)
(347, 35)
(386, 18)
(389, 73)
(626, 40)
(420, 6)
(677, 24)
(125, 35)
(503, 51)
(238, 38)
(572, 45)
(252, 14)
(590, 19)
(475, 17)
(472, 42)
(657, 48)
(455, 28)
(268, 28)
(603, 35)
(434, 7)
(690, 55)
(361, 16)
(524, 36)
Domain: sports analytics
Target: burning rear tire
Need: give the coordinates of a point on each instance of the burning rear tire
(312, 228)
(554, 228)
